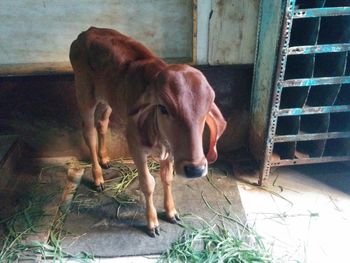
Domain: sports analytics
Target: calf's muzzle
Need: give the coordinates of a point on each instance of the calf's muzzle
(192, 171)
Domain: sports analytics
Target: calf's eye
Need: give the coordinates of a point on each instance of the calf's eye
(163, 110)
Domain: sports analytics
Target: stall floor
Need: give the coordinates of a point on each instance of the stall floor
(99, 225)
(303, 212)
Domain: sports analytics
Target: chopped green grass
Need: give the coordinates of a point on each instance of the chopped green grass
(53, 248)
(215, 243)
(114, 188)
(24, 223)
(212, 242)
(210, 180)
(26, 219)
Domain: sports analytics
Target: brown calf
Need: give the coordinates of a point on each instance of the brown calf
(164, 109)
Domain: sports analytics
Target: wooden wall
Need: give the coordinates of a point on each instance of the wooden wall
(37, 34)
(232, 31)
(34, 31)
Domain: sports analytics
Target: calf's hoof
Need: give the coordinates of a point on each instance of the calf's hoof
(174, 220)
(100, 188)
(152, 232)
(106, 165)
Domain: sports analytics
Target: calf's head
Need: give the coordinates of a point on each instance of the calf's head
(182, 102)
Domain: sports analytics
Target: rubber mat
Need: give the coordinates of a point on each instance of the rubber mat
(101, 226)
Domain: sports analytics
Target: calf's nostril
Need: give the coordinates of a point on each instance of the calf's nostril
(194, 171)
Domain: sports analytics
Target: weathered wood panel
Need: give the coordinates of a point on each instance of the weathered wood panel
(232, 31)
(35, 31)
(203, 14)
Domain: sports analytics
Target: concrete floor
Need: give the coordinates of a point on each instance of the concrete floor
(304, 212)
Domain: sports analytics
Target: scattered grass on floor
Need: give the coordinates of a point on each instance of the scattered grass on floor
(120, 163)
(213, 242)
(24, 223)
(210, 180)
(204, 242)
(114, 188)
(224, 239)
(54, 249)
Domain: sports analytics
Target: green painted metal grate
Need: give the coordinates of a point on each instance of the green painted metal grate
(301, 88)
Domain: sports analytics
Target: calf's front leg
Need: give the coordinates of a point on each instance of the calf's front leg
(147, 185)
(166, 174)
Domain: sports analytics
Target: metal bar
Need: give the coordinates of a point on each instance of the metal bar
(277, 88)
(310, 160)
(298, 50)
(318, 12)
(316, 81)
(269, 159)
(311, 136)
(313, 110)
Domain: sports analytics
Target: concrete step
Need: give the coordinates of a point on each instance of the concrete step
(10, 155)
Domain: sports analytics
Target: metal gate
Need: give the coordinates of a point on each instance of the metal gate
(301, 90)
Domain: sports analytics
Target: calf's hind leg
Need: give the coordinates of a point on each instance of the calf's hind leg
(87, 107)
(102, 128)
(90, 136)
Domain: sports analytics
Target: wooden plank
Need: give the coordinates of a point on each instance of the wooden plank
(203, 14)
(41, 31)
(232, 31)
(35, 69)
(53, 68)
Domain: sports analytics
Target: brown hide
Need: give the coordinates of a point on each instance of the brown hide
(164, 109)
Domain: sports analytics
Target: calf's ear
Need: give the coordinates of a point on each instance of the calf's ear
(217, 126)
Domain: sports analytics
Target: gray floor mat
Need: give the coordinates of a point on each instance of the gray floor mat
(98, 225)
